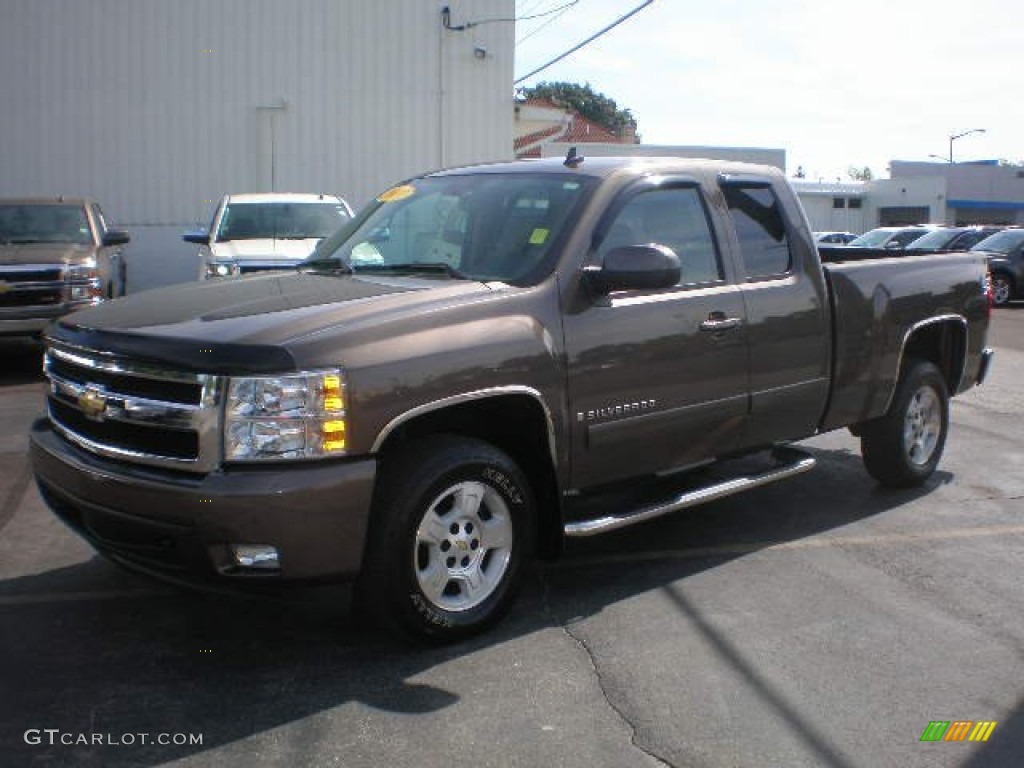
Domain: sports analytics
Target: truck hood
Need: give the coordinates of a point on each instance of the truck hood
(45, 253)
(247, 323)
(269, 249)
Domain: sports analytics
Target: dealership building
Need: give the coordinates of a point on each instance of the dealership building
(156, 109)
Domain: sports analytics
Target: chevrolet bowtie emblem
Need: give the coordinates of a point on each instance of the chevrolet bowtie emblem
(93, 404)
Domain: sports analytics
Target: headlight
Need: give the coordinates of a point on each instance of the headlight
(221, 268)
(299, 416)
(85, 281)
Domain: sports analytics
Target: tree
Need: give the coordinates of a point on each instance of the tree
(585, 101)
(860, 174)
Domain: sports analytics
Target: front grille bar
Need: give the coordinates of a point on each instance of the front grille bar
(101, 388)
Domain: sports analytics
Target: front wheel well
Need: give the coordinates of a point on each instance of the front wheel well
(518, 425)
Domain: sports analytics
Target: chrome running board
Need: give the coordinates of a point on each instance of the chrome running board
(793, 462)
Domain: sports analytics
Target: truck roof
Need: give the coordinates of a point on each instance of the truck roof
(606, 166)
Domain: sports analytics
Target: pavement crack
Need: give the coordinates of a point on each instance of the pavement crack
(598, 676)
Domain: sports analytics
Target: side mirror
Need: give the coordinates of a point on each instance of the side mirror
(115, 237)
(635, 267)
(199, 237)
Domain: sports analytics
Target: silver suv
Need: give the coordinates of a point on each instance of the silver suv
(256, 232)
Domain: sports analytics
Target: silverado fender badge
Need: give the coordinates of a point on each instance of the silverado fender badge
(615, 411)
(93, 404)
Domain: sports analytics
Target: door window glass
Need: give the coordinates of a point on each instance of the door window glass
(675, 218)
(760, 228)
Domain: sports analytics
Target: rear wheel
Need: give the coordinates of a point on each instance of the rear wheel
(451, 530)
(902, 448)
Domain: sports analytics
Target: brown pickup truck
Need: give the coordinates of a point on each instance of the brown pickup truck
(472, 369)
(56, 255)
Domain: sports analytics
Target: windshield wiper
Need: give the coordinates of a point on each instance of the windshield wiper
(433, 267)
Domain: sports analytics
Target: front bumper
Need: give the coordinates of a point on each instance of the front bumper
(179, 527)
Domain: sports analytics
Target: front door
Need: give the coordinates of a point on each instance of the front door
(657, 379)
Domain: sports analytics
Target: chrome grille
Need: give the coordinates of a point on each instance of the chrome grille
(134, 411)
(32, 285)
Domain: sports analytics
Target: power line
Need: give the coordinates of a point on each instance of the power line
(446, 18)
(550, 21)
(589, 40)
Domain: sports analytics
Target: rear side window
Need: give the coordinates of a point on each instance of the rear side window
(761, 230)
(673, 217)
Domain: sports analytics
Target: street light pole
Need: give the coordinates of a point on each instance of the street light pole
(956, 136)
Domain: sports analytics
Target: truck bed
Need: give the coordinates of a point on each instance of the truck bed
(876, 304)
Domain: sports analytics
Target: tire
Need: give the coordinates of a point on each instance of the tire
(902, 448)
(451, 529)
(1002, 289)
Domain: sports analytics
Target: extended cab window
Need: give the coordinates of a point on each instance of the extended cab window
(760, 228)
(673, 217)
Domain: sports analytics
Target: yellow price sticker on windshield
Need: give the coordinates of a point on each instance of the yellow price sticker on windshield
(395, 194)
(538, 236)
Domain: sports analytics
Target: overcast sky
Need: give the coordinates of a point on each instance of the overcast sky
(835, 84)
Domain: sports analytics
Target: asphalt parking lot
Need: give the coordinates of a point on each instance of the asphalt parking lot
(817, 622)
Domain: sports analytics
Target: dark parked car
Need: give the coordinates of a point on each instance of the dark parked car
(1005, 252)
(890, 238)
(949, 239)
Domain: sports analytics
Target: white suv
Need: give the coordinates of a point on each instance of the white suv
(256, 232)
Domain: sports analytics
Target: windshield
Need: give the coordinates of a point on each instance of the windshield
(1001, 242)
(937, 238)
(873, 239)
(281, 221)
(44, 224)
(483, 226)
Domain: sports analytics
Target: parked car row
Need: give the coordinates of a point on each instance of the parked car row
(1002, 245)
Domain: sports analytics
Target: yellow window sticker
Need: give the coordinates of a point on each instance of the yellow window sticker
(395, 194)
(538, 236)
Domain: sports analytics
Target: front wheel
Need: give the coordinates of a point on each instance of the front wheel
(452, 528)
(902, 448)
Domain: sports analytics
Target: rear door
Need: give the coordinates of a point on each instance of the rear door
(788, 326)
(657, 379)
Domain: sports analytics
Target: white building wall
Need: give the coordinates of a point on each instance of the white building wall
(156, 108)
(922, 192)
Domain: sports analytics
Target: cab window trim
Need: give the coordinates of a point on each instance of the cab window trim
(758, 182)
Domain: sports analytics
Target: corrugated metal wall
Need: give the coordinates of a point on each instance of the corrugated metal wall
(158, 107)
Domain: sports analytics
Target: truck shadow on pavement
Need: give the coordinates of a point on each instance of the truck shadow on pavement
(88, 649)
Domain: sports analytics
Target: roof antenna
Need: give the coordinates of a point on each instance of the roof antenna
(572, 159)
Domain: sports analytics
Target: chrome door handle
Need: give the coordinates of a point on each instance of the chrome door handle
(717, 323)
